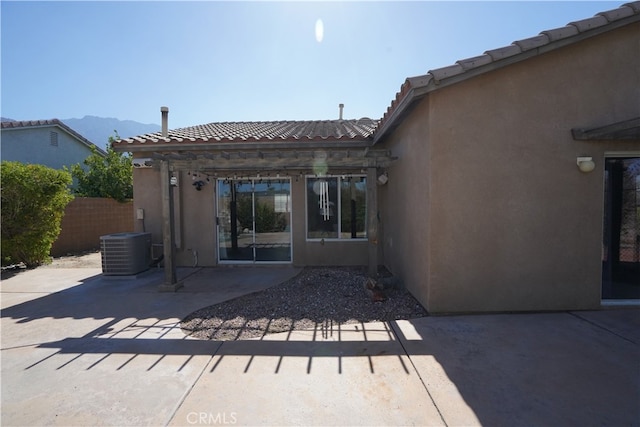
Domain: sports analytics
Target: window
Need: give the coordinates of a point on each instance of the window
(337, 207)
(53, 138)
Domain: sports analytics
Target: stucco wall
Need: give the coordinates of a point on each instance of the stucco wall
(195, 219)
(404, 204)
(33, 145)
(146, 196)
(512, 224)
(193, 211)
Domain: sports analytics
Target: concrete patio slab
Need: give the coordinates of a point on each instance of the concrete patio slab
(84, 385)
(82, 349)
(348, 375)
(619, 321)
(29, 285)
(528, 369)
(79, 348)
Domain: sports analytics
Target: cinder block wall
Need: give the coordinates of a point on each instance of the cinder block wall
(86, 219)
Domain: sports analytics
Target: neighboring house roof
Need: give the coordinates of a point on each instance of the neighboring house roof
(48, 123)
(281, 131)
(415, 88)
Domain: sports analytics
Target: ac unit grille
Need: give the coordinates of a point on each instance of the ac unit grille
(125, 254)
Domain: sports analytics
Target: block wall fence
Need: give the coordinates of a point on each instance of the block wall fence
(86, 219)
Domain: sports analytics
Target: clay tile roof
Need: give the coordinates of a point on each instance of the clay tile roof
(416, 87)
(281, 131)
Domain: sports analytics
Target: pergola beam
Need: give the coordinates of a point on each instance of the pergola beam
(249, 163)
(276, 160)
(240, 146)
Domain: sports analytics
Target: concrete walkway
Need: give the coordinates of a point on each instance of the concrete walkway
(82, 349)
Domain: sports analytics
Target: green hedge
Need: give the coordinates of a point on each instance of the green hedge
(33, 201)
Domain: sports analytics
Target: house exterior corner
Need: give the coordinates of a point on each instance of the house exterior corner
(498, 216)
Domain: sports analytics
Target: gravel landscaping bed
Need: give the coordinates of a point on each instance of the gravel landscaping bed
(318, 297)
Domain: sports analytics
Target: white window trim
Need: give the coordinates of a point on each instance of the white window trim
(618, 154)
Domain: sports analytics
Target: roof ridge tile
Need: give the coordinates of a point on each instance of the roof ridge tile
(445, 72)
(619, 13)
(561, 32)
(590, 23)
(474, 62)
(532, 42)
(635, 5)
(504, 52)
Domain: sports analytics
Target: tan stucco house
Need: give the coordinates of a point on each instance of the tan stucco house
(505, 182)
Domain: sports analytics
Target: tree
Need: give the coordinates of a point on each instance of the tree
(33, 201)
(106, 176)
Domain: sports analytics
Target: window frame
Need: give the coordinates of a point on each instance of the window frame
(340, 178)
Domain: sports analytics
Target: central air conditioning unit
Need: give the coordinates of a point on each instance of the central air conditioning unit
(125, 254)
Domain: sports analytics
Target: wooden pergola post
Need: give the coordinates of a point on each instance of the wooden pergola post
(168, 231)
(372, 220)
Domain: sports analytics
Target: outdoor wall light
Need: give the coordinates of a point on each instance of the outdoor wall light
(585, 164)
(199, 184)
(383, 178)
(142, 163)
(174, 181)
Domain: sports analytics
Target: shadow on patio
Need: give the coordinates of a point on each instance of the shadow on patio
(547, 369)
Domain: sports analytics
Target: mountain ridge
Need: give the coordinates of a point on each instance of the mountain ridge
(99, 129)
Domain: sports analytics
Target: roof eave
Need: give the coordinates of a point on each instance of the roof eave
(234, 146)
(404, 107)
(406, 104)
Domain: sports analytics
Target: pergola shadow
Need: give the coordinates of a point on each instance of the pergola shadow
(136, 320)
(491, 365)
(339, 342)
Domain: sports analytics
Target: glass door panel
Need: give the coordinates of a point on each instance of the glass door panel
(621, 243)
(254, 220)
(272, 204)
(235, 220)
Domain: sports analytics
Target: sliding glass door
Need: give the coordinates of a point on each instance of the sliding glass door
(254, 220)
(621, 243)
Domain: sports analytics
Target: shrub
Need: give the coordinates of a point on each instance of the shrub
(33, 199)
(106, 176)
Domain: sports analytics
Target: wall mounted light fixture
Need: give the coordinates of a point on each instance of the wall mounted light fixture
(383, 178)
(585, 164)
(199, 184)
(142, 163)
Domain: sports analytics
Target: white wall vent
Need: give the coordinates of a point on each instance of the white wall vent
(125, 254)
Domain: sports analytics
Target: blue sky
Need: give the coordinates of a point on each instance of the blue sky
(244, 61)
